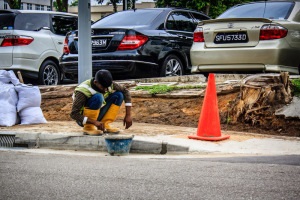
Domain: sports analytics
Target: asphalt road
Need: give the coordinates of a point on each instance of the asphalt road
(46, 174)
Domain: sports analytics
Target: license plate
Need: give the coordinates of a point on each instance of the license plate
(233, 37)
(99, 42)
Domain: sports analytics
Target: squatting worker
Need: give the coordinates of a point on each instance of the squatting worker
(96, 103)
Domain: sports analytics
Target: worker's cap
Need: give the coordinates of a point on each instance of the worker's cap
(104, 77)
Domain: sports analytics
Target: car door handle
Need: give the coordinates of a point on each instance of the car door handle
(59, 42)
(184, 37)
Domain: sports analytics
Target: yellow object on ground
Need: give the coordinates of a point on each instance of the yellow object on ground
(91, 129)
(109, 117)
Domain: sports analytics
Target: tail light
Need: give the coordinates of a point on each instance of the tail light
(16, 40)
(270, 32)
(198, 35)
(131, 42)
(66, 49)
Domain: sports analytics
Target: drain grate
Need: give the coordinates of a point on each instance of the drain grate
(7, 140)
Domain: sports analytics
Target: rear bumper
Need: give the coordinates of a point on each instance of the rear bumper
(246, 68)
(265, 57)
(118, 68)
(28, 73)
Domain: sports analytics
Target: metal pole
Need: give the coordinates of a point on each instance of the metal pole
(1, 4)
(51, 5)
(84, 40)
(125, 5)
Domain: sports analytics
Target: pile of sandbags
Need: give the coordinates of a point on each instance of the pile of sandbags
(19, 103)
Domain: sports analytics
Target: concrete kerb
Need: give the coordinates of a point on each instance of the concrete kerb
(71, 141)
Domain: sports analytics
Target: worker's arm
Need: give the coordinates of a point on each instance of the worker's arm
(127, 98)
(98, 124)
(78, 104)
(127, 119)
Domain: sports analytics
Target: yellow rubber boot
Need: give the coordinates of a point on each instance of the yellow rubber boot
(91, 129)
(109, 117)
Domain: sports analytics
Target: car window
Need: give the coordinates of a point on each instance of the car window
(180, 21)
(199, 17)
(63, 24)
(134, 18)
(7, 21)
(269, 10)
(31, 21)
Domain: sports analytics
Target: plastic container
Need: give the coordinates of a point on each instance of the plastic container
(118, 145)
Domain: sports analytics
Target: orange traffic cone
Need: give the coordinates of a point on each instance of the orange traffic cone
(209, 127)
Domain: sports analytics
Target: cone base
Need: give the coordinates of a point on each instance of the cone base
(222, 137)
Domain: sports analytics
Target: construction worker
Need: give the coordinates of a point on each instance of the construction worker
(96, 103)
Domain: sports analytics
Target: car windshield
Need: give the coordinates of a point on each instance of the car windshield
(269, 10)
(128, 18)
(7, 21)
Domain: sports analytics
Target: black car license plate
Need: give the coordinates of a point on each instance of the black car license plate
(99, 42)
(231, 37)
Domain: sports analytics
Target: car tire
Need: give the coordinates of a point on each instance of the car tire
(172, 66)
(49, 73)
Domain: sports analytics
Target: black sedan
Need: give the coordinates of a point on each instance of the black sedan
(140, 43)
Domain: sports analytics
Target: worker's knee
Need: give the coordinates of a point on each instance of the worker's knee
(95, 101)
(116, 98)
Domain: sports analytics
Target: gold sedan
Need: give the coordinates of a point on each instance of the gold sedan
(253, 37)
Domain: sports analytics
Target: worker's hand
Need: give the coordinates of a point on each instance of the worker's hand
(127, 122)
(99, 125)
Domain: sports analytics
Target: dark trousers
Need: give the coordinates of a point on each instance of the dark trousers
(96, 101)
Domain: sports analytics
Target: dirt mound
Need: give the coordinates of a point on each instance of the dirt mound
(179, 111)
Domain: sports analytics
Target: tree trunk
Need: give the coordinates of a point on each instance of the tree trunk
(65, 5)
(207, 9)
(115, 6)
(260, 95)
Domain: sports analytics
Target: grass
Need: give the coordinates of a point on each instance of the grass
(161, 89)
(296, 86)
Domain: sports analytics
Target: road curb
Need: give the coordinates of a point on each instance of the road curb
(89, 143)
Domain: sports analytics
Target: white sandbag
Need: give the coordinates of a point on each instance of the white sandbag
(29, 96)
(8, 77)
(8, 102)
(32, 115)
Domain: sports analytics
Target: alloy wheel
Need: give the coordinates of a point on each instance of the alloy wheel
(173, 68)
(50, 75)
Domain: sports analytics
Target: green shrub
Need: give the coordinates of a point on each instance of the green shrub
(161, 89)
(296, 86)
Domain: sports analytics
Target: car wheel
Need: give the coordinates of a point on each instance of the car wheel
(49, 73)
(172, 66)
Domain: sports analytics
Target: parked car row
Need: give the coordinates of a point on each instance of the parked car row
(155, 42)
(147, 43)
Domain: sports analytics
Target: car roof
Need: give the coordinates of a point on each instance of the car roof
(167, 8)
(36, 11)
(261, 1)
(283, 0)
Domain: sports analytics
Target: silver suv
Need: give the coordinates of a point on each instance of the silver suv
(32, 41)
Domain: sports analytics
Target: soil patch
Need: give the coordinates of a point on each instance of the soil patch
(185, 112)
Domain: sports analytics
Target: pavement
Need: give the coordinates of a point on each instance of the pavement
(147, 139)
(154, 138)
